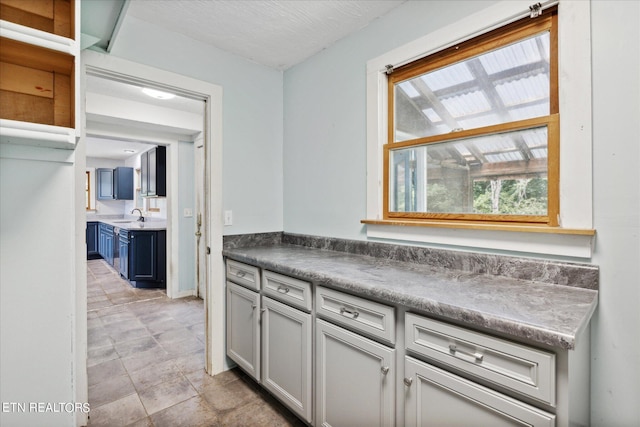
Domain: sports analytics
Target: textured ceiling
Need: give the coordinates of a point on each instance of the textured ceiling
(275, 33)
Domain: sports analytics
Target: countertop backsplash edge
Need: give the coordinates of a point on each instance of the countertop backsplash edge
(579, 275)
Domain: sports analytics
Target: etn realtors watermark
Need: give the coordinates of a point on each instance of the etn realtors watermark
(45, 407)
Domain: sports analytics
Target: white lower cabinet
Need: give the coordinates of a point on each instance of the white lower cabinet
(434, 397)
(355, 379)
(286, 355)
(243, 328)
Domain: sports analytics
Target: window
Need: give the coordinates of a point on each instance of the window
(87, 191)
(473, 130)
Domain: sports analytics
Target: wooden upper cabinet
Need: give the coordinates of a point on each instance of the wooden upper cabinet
(36, 84)
(38, 71)
(53, 16)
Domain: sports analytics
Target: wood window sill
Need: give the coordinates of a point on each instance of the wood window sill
(469, 225)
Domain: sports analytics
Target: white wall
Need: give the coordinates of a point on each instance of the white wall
(325, 168)
(325, 128)
(37, 303)
(252, 121)
(615, 336)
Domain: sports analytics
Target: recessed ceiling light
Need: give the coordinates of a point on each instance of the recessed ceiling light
(157, 93)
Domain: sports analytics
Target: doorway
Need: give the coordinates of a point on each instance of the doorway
(211, 273)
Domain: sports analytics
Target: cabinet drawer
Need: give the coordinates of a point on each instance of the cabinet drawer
(243, 274)
(517, 367)
(287, 289)
(376, 320)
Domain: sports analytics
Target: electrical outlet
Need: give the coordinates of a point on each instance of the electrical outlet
(188, 213)
(228, 217)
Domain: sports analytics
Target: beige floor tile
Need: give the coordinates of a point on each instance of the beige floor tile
(129, 348)
(97, 355)
(110, 390)
(155, 374)
(105, 370)
(167, 394)
(194, 412)
(121, 412)
(143, 359)
(229, 396)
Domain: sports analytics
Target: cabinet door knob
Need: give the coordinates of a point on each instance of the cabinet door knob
(408, 382)
(385, 370)
(253, 306)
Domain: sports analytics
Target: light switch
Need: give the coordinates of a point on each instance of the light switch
(228, 217)
(188, 213)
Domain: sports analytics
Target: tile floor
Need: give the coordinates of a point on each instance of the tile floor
(146, 358)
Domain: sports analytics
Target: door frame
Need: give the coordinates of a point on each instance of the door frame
(130, 72)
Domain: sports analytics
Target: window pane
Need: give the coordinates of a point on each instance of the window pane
(497, 174)
(507, 84)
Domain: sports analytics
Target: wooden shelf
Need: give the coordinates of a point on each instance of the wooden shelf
(36, 84)
(52, 16)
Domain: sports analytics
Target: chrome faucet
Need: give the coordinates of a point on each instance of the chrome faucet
(141, 219)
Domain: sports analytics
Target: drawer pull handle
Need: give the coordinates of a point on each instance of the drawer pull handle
(283, 290)
(241, 273)
(408, 382)
(348, 313)
(478, 356)
(385, 370)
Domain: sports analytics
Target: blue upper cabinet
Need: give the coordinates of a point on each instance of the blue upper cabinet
(123, 183)
(115, 183)
(153, 172)
(105, 184)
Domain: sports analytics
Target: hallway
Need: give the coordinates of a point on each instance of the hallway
(146, 358)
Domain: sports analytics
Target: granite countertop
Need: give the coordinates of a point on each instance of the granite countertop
(544, 313)
(130, 223)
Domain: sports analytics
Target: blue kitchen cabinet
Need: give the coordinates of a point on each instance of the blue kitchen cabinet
(153, 172)
(105, 184)
(92, 240)
(146, 259)
(123, 183)
(115, 184)
(105, 242)
(123, 249)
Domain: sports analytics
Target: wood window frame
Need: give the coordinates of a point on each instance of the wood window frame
(498, 38)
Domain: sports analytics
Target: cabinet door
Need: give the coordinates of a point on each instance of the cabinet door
(144, 173)
(143, 249)
(355, 379)
(152, 172)
(286, 355)
(243, 328)
(101, 241)
(434, 397)
(108, 248)
(124, 258)
(123, 183)
(105, 184)
(92, 240)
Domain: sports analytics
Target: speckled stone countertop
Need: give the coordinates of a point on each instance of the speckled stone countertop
(130, 223)
(545, 313)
